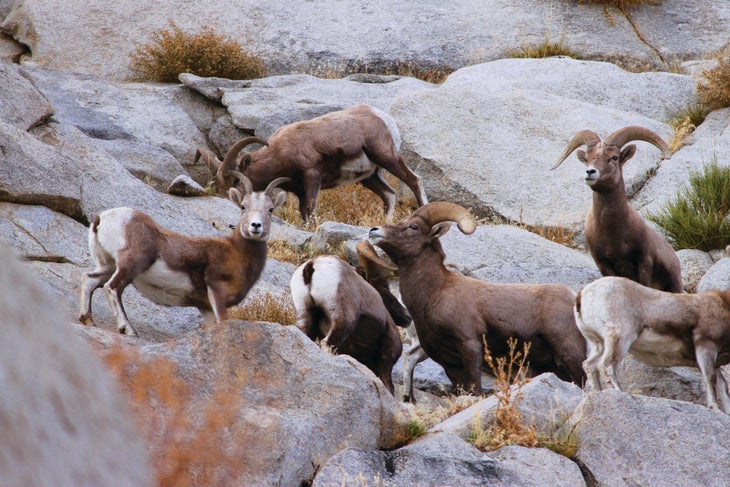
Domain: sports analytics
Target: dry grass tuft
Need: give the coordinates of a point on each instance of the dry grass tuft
(509, 427)
(204, 53)
(684, 124)
(274, 308)
(185, 448)
(351, 204)
(428, 73)
(546, 48)
(621, 4)
(714, 87)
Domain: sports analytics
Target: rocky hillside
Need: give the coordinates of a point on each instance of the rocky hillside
(257, 403)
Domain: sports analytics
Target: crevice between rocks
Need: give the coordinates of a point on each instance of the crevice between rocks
(640, 35)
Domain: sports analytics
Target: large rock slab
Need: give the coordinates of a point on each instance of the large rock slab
(64, 421)
(301, 36)
(21, 104)
(487, 137)
(289, 405)
(446, 459)
(636, 440)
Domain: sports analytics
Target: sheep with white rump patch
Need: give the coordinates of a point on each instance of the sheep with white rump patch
(210, 273)
(454, 313)
(619, 240)
(339, 148)
(619, 316)
(351, 311)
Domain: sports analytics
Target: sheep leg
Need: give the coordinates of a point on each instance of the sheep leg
(721, 389)
(217, 301)
(394, 164)
(308, 198)
(129, 266)
(472, 356)
(378, 185)
(590, 364)
(413, 356)
(706, 354)
(616, 349)
(91, 282)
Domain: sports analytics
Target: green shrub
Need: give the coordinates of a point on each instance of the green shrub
(204, 53)
(698, 217)
(714, 87)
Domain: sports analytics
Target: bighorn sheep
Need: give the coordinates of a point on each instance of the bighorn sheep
(619, 240)
(617, 316)
(211, 273)
(454, 313)
(336, 304)
(343, 147)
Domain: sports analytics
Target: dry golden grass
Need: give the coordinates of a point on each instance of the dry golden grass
(714, 87)
(430, 74)
(621, 4)
(274, 308)
(205, 53)
(185, 449)
(684, 124)
(351, 204)
(547, 48)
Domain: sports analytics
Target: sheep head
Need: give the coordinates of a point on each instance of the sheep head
(408, 238)
(225, 172)
(605, 159)
(374, 270)
(256, 207)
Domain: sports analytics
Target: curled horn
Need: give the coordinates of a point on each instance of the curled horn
(229, 161)
(584, 137)
(625, 135)
(370, 260)
(276, 182)
(244, 180)
(442, 211)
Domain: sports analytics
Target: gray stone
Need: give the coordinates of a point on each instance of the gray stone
(628, 440)
(183, 185)
(64, 420)
(716, 277)
(695, 264)
(21, 104)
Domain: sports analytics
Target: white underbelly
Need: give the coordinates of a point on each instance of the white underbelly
(164, 286)
(355, 170)
(661, 350)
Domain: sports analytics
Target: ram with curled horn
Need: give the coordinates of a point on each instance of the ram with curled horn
(225, 173)
(454, 314)
(619, 240)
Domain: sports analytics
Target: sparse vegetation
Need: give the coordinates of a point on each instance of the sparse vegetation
(274, 308)
(620, 4)
(714, 87)
(185, 448)
(685, 123)
(429, 73)
(698, 216)
(351, 204)
(546, 48)
(173, 51)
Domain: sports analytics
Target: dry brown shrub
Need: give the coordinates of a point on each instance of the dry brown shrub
(204, 53)
(187, 442)
(424, 72)
(352, 204)
(621, 4)
(274, 308)
(714, 88)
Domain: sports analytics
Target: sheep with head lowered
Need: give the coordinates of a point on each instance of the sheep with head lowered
(453, 313)
(619, 240)
(349, 146)
(351, 311)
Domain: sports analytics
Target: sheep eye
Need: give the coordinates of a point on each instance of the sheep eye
(614, 158)
(236, 182)
(271, 210)
(413, 226)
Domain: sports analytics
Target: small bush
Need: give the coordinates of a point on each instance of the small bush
(204, 53)
(685, 123)
(428, 73)
(714, 87)
(273, 308)
(547, 48)
(698, 216)
(621, 4)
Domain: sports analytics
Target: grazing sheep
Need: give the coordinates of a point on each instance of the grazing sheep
(619, 240)
(453, 313)
(343, 147)
(661, 329)
(211, 273)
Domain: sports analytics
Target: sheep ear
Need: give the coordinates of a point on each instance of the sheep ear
(440, 229)
(581, 154)
(235, 195)
(627, 153)
(280, 198)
